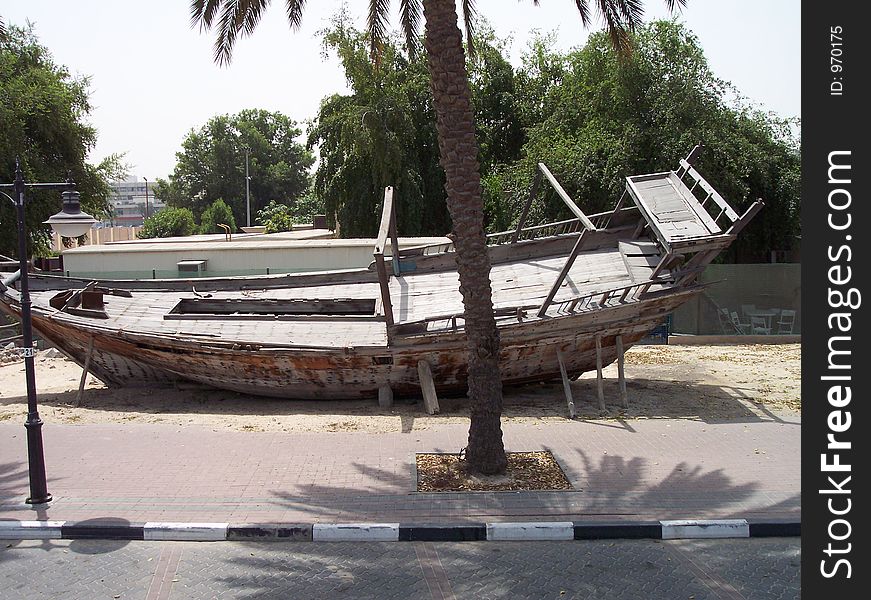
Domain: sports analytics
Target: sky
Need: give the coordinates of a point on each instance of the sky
(153, 78)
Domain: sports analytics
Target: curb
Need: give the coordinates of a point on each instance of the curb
(402, 532)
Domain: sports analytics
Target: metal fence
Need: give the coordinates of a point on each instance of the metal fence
(755, 299)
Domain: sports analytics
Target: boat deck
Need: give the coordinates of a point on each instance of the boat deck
(416, 296)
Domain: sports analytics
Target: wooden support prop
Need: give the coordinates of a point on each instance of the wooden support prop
(566, 384)
(430, 400)
(600, 382)
(562, 275)
(384, 284)
(84, 378)
(666, 258)
(394, 238)
(621, 375)
(385, 396)
(533, 192)
(566, 198)
(639, 228)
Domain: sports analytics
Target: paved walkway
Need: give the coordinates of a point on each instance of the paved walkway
(643, 469)
(755, 569)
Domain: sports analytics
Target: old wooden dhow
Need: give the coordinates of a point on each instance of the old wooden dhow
(568, 296)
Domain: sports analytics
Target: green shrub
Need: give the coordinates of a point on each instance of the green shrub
(169, 222)
(217, 213)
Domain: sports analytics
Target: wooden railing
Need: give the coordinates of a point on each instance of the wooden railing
(581, 303)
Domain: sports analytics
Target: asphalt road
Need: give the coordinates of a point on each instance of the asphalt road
(756, 568)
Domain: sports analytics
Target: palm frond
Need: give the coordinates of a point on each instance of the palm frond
(377, 23)
(236, 17)
(671, 4)
(409, 16)
(203, 12)
(584, 10)
(294, 12)
(470, 15)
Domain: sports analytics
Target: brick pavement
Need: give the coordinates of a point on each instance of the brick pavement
(754, 569)
(648, 469)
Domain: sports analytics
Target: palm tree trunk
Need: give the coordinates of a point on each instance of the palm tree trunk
(458, 148)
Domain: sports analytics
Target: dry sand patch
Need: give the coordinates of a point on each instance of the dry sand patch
(710, 383)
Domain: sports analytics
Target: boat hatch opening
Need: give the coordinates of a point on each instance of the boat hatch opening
(265, 308)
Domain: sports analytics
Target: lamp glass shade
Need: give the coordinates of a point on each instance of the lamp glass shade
(71, 222)
(71, 226)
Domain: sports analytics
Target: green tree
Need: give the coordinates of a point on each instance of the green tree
(383, 133)
(44, 111)
(458, 150)
(169, 222)
(211, 164)
(276, 217)
(594, 118)
(217, 213)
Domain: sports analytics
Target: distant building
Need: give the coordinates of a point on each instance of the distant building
(129, 203)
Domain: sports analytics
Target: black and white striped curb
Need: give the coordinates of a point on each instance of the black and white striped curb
(399, 532)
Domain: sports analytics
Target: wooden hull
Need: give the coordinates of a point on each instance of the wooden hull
(556, 288)
(528, 354)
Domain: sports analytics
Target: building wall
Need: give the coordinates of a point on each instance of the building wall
(145, 260)
(129, 202)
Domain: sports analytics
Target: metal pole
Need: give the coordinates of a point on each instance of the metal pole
(247, 190)
(35, 455)
(146, 196)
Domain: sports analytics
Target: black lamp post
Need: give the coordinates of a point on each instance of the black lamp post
(70, 222)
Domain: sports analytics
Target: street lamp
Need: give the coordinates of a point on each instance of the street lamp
(69, 222)
(146, 196)
(247, 189)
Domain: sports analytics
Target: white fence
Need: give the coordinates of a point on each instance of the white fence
(101, 236)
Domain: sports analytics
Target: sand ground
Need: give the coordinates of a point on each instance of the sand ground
(708, 383)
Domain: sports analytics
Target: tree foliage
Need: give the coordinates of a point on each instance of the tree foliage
(43, 111)
(169, 222)
(217, 213)
(211, 164)
(594, 119)
(383, 133)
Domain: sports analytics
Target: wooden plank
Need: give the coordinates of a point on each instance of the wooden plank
(600, 382)
(566, 198)
(427, 386)
(385, 396)
(621, 376)
(384, 284)
(384, 229)
(567, 388)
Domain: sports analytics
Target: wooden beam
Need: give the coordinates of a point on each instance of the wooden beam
(533, 192)
(621, 375)
(600, 382)
(384, 283)
(394, 239)
(738, 225)
(567, 388)
(85, 369)
(566, 198)
(562, 275)
(384, 229)
(427, 386)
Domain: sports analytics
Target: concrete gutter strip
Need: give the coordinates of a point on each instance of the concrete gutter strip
(499, 532)
(395, 532)
(187, 532)
(355, 532)
(705, 529)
